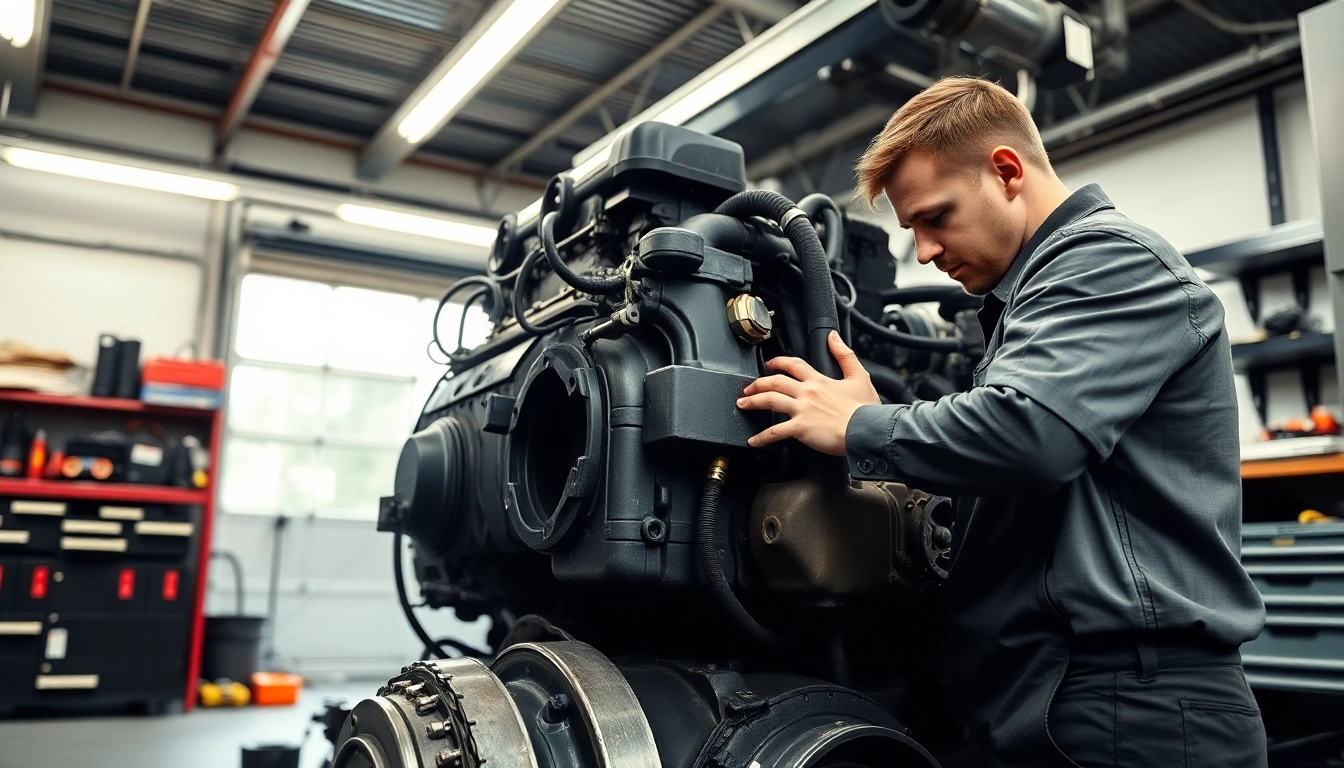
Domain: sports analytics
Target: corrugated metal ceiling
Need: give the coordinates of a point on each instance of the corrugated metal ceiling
(351, 63)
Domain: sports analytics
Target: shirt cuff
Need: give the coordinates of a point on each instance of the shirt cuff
(868, 439)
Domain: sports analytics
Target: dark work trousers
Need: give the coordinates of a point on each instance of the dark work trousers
(1143, 705)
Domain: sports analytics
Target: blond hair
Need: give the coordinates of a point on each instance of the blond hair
(956, 119)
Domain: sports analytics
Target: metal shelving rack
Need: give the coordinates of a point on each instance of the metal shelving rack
(1295, 248)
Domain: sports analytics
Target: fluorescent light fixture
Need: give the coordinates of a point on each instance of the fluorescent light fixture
(496, 45)
(114, 173)
(18, 18)
(443, 229)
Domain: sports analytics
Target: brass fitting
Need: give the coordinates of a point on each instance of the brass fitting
(718, 468)
(749, 319)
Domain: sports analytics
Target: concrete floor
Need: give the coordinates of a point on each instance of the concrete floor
(206, 738)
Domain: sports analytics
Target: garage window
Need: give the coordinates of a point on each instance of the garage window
(326, 382)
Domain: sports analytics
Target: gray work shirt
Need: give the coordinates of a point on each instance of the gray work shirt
(1101, 440)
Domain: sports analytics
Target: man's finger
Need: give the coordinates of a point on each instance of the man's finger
(850, 367)
(769, 401)
(794, 366)
(786, 384)
(773, 435)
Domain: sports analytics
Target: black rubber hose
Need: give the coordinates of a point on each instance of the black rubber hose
(459, 646)
(707, 547)
(495, 309)
(519, 291)
(430, 643)
(819, 312)
(821, 208)
(889, 383)
(237, 567)
(593, 284)
(883, 333)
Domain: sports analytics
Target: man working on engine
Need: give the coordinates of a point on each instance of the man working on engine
(1097, 601)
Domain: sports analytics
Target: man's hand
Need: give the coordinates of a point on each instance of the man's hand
(818, 406)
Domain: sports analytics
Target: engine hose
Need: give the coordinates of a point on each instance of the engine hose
(819, 310)
(430, 644)
(819, 207)
(889, 383)
(707, 547)
(908, 340)
(520, 289)
(593, 284)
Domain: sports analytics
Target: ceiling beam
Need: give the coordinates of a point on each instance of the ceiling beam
(273, 40)
(867, 119)
(772, 11)
(133, 50)
(23, 59)
(495, 40)
(592, 101)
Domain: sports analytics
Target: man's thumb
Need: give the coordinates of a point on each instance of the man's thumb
(850, 366)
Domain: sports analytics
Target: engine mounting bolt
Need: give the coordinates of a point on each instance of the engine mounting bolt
(439, 730)
(556, 707)
(449, 757)
(425, 703)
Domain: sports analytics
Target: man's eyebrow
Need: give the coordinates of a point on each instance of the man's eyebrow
(925, 210)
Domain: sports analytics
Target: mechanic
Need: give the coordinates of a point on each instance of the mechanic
(1097, 599)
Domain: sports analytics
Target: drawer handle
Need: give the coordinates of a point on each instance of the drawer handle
(66, 682)
(121, 513)
(93, 545)
(14, 537)
(53, 508)
(99, 527)
(156, 528)
(20, 628)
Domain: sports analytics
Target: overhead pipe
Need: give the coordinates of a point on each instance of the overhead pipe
(1172, 91)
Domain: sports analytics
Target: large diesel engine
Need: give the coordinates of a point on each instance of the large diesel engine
(661, 593)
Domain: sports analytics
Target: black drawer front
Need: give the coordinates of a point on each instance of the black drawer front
(9, 576)
(163, 638)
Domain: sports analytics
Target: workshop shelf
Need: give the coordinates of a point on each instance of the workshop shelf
(85, 490)
(1283, 350)
(1274, 248)
(100, 404)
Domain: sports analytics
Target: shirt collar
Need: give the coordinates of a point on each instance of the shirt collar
(1085, 201)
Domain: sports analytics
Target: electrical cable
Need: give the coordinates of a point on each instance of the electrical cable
(1237, 27)
(494, 310)
(594, 284)
(462, 319)
(900, 339)
(520, 312)
(237, 567)
(430, 643)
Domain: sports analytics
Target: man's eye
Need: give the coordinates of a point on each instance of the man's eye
(935, 221)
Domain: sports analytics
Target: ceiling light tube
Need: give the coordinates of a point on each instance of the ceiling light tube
(485, 55)
(114, 173)
(18, 19)
(428, 226)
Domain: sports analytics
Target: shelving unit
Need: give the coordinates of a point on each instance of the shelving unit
(180, 505)
(1295, 247)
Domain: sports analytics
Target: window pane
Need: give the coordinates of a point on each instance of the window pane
(358, 406)
(374, 331)
(275, 400)
(283, 320)
(359, 477)
(269, 477)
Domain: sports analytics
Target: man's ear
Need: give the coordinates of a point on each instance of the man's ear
(1009, 168)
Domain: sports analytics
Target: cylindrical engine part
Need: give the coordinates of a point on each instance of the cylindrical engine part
(565, 705)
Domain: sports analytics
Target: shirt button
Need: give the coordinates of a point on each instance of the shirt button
(866, 466)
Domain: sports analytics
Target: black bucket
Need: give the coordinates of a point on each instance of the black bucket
(232, 647)
(271, 756)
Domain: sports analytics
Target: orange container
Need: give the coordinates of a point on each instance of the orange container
(208, 374)
(275, 688)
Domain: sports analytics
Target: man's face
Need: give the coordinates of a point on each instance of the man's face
(963, 219)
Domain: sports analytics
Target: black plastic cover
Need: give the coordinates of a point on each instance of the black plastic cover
(682, 153)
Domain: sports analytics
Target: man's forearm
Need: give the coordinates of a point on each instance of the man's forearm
(990, 441)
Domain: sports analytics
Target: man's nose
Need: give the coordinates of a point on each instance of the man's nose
(927, 249)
